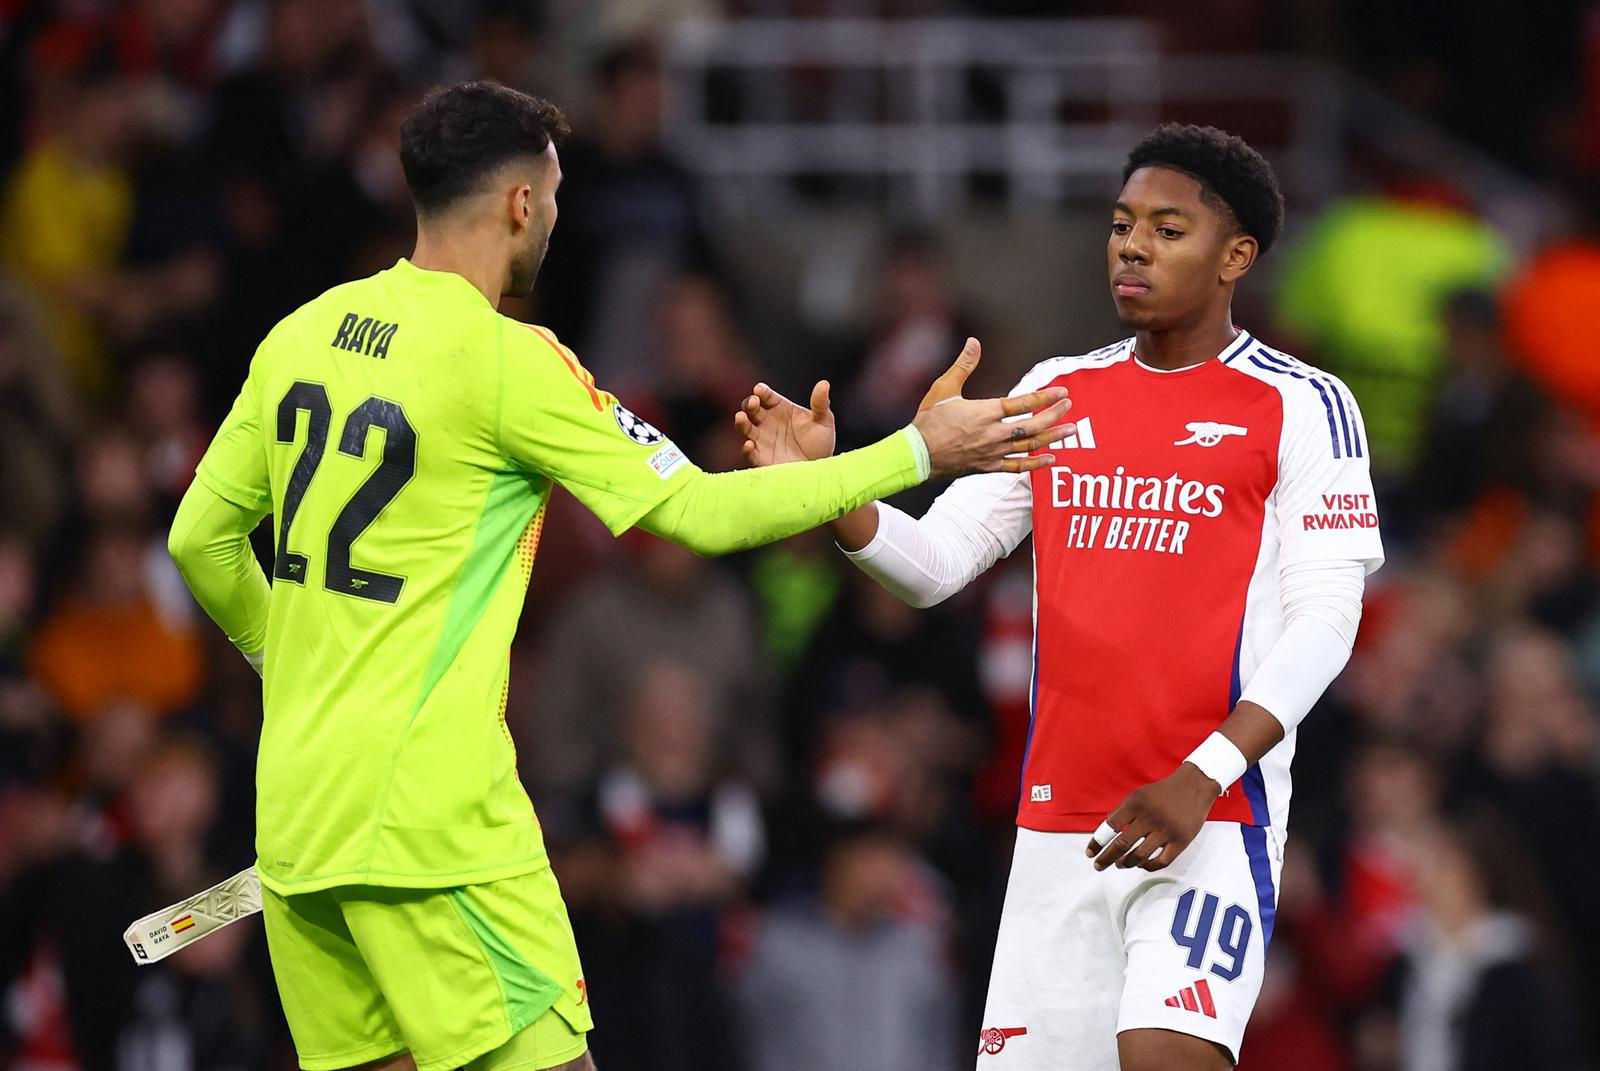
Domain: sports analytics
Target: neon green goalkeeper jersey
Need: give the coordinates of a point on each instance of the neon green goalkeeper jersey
(404, 436)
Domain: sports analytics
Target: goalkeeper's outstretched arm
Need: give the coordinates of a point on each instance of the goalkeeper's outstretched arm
(723, 512)
(716, 513)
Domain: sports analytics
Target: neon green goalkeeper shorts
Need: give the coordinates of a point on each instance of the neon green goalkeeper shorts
(481, 976)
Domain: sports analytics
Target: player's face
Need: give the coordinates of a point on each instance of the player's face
(1172, 257)
(539, 222)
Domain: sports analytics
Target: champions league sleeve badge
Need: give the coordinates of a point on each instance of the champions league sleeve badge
(640, 431)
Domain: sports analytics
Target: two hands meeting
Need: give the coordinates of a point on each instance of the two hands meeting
(1153, 824)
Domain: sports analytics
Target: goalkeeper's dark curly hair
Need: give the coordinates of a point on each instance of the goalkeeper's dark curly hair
(458, 135)
(1234, 178)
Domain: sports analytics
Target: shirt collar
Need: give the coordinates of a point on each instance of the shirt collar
(412, 277)
(1238, 347)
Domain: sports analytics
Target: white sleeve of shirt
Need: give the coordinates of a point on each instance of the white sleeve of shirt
(1328, 542)
(1321, 610)
(976, 522)
(1324, 501)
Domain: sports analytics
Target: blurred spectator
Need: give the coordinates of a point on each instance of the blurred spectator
(207, 1008)
(1543, 575)
(903, 765)
(39, 414)
(108, 756)
(705, 370)
(797, 583)
(164, 411)
(853, 979)
(686, 836)
(1394, 797)
(1532, 541)
(1364, 288)
(31, 736)
(271, 154)
(359, 207)
(660, 601)
(1409, 675)
(866, 772)
(916, 328)
(67, 213)
(1304, 994)
(1477, 436)
(871, 649)
(168, 39)
(109, 641)
(115, 490)
(1477, 987)
(1437, 73)
(112, 485)
(630, 220)
(508, 44)
(690, 835)
(1537, 759)
(1006, 671)
(1546, 313)
(135, 265)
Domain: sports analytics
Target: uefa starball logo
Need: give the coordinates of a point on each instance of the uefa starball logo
(636, 428)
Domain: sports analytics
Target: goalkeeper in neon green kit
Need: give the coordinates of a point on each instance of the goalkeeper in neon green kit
(406, 437)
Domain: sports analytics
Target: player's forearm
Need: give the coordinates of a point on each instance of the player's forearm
(210, 543)
(1322, 609)
(1321, 612)
(856, 529)
(924, 561)
(1248, 732)
(1253, 729)
(718, 513)
(1293, 676)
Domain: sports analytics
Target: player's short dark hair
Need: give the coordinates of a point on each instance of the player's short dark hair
(458, 135)
(1233, 177)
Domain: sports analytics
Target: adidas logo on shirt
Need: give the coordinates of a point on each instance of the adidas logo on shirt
(1084, 440)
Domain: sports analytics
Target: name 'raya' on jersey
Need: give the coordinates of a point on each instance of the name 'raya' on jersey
(1158, 539)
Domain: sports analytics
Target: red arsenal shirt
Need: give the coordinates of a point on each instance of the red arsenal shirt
(1159, 534)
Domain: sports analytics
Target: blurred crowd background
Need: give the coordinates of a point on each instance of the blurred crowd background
(780, 802)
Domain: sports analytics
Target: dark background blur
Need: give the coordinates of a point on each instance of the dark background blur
(778, 800)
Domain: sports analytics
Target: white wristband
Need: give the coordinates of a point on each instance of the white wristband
(919, 447)
(1219, 759)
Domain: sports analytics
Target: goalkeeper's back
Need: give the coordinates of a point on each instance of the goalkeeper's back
(405, 436)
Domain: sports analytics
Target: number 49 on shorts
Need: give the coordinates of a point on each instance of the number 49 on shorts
(1195, 933)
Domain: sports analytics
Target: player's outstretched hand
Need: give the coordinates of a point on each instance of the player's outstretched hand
(978, 435)
(1154, 824)
(776, 430)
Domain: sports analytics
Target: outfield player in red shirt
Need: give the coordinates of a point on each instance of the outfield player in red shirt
(1200, 547)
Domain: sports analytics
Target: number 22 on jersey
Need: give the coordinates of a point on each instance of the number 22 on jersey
(399, 464)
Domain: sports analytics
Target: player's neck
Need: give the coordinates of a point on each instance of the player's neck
(466, 257)
(1184, 346)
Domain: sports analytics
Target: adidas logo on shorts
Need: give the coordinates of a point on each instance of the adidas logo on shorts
(1195, 998)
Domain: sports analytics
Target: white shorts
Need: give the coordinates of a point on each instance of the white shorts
(1084, 955)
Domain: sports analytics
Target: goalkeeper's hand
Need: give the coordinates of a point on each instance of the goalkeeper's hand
(776, 430)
